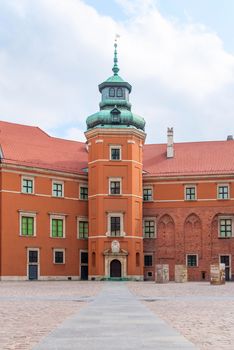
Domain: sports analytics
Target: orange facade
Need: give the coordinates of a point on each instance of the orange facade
(113, 207)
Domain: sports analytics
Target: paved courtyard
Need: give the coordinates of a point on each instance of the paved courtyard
(30, 311)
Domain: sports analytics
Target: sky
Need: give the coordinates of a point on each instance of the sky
(178, 55)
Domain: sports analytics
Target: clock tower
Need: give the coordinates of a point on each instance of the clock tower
(115, 138)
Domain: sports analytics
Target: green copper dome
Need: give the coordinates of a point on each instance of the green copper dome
(115, 108)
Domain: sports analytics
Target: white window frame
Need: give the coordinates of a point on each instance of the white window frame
(64, 256)
(223, 185)
(60, 217)
(86, 186)
(152, 193)
(115, 179)
(59, 183)
(82, 218)
(187, 260)
(155, 227)
(225, 218)
(185, 196)
(22, 182)
(120, 153)
(31, 215)
(109, 216)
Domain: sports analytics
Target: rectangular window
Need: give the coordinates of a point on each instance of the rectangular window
(27, 226)
(84, 192)
(57, 228)
(225, 228)
(27, 185)
(147, 194)
(114, 187)
(33, 256)
(83, 229)
(190, 193)
(223, 192)
(192, 260)
(115, 152)
(57, 189)
(59, 256)
(149, 228)
(148, 260)
(115, 225)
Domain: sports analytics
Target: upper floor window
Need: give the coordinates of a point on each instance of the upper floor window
(27, 224)
(223, 192)
(192, 260)
(147, 194)
(190, 193)
(84, 192)
(225, 227)
(149, 228)
(57, 226)
(27, 185)
(119, 92)
(115, 226)
(114, 186)
(57, 188)
(115, 152)
(83, 229)
(111, 92)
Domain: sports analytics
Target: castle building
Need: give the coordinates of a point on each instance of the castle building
(113, 207)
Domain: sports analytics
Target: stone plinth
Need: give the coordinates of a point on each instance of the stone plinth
(162, 273)
(181, 273)
(217, 274)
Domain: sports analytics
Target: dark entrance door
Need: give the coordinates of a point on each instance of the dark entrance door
(84, 273)
(115, 268)
(32, 264)
(225, 259)
(32, 272)
(84, 266)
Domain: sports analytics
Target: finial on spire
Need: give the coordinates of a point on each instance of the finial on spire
(115, 68)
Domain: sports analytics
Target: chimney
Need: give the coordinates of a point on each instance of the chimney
(229, 137)
(170, 144)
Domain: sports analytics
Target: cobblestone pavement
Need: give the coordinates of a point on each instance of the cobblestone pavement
(204, 314)
(31, 310)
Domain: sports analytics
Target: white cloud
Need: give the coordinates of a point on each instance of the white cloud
(54, 53)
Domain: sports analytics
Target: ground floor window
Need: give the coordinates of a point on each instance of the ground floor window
(59, 256)
(192, 260)
(148, 260)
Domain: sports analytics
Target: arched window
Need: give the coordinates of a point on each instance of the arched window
(112, 92)
(119, 92)
(137, 259)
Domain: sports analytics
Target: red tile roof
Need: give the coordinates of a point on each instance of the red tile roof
(31, 146)
(190, 158)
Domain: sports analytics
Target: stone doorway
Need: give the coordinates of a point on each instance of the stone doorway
(115, 268)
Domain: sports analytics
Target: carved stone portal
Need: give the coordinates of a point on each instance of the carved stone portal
(115, 253)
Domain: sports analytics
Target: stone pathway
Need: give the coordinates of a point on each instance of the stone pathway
(114, 320)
